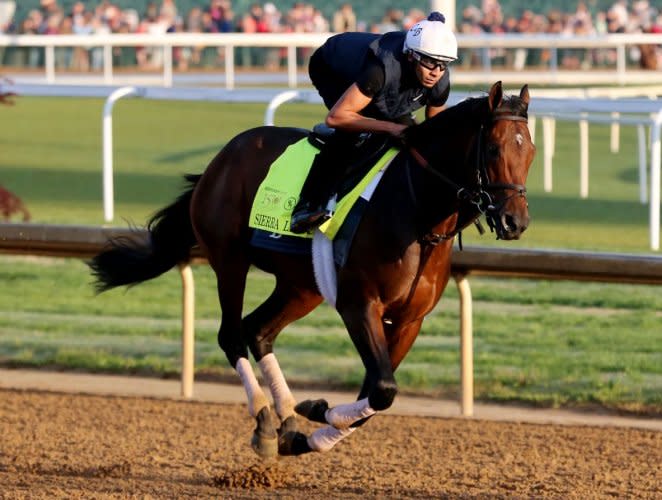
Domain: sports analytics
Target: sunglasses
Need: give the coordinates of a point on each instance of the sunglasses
(428, 62)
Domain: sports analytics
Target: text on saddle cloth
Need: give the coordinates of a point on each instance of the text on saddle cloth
(279, 191)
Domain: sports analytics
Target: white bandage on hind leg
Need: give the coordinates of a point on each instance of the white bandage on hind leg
(327, 437)
(256, 398)
(273, 375)
(342, 416)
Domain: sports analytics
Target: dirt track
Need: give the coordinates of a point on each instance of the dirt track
(75, 446)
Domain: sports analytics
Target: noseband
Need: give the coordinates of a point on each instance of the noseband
(481, 194)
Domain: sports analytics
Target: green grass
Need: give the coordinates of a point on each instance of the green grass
(538, 342)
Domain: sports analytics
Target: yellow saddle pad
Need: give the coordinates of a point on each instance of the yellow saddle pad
(279, 191)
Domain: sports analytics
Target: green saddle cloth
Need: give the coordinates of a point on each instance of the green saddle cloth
(279, 191)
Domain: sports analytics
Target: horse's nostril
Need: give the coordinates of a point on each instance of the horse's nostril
(509, 222)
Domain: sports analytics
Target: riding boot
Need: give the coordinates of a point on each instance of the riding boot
(325, 174)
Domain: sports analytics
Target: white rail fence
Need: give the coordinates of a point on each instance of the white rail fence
(485, 44)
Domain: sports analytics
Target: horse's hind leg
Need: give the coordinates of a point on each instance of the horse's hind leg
(231, 284)
(285, 305)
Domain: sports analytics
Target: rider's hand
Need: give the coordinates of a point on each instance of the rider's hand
(397, 130)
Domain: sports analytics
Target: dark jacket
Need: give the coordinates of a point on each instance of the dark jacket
(343, 58)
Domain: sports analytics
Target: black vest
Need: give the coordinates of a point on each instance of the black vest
(346, 54)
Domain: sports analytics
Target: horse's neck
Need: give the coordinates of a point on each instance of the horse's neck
(413, 199)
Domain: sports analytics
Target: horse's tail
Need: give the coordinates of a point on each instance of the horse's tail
(133, 260)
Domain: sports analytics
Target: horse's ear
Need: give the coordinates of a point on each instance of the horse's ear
(496, 95)
(524, 94)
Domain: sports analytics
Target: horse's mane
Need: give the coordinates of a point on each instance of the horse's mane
(468, 113)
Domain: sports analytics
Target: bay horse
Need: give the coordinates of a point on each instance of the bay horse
(471, 159)
(11, 204)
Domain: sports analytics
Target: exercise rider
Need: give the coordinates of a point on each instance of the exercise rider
(372, 83)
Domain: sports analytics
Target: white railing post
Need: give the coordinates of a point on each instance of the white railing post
(548, 152)
(229, 67)
(532, 128)
(620, 64)
(466, 346)
(292, 67)
(643, 164)
(583, 163)
(49, 63)
(655, 183)
(108, 64)
(188, 329)
(615, 133)
(107, 139)
(167, 65)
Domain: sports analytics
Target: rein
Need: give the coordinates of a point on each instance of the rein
(479, 196)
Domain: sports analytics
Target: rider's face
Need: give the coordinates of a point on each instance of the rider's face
(428, 71)
(428, 77)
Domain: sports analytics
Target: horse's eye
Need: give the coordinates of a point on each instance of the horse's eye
(493, 151)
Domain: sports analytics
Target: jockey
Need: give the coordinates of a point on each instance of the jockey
(372, 83)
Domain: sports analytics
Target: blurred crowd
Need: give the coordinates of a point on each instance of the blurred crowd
(218, 16)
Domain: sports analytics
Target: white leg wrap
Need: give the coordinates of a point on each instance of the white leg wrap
(256, 398)
(342, 416)
(327, 437)
(283, 399)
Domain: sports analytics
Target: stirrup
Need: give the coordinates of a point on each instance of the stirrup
(307, 219)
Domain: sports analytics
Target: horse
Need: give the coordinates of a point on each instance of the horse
(6, 97)
(471, 159)
(11, 204)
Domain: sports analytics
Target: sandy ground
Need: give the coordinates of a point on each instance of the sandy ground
(58, 445)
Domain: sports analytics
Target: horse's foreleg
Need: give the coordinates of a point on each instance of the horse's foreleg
(340, 417)
(344, 419)
(379, 389)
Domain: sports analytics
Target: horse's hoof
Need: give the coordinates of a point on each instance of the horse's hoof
(288, 425)
(293, 444)
(313, 410)
(265, 438)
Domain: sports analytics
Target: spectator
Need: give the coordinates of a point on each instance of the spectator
(99, 27)
(470, 25)
(344, 19)
(7, 10)
(413, 16)
(168, 13)
(392, 21)
(253, 22)
(82, 25)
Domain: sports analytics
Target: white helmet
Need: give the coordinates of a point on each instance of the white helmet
(433, 38)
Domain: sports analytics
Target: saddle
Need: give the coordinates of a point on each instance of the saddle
(277, 194)
(358, 158)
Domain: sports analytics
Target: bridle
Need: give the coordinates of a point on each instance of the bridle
(481, 195)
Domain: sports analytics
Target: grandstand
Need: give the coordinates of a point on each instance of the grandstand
(368, 12)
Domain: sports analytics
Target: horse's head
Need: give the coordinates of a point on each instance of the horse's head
(504, 154)
(481, 148)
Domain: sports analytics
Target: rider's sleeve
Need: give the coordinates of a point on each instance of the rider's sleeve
(371, 79)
